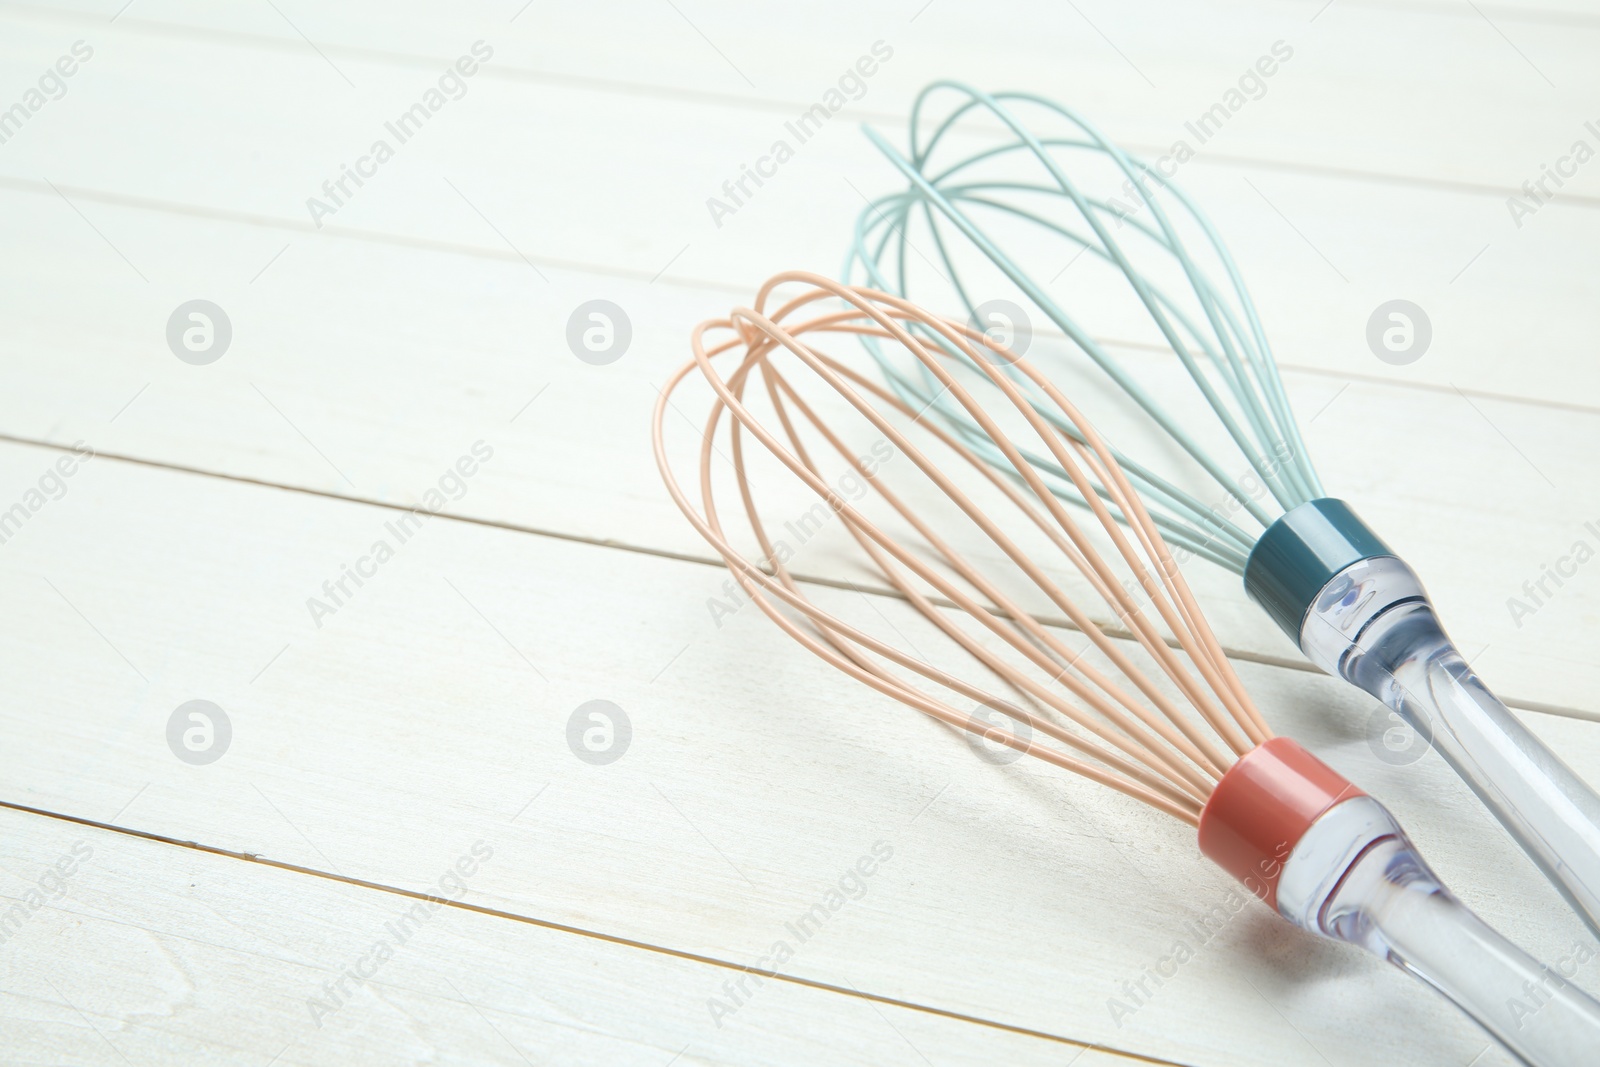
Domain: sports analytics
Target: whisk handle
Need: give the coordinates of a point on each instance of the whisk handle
(1361, 614)
(1374, 627)
(1333, 861)
(1355, 877)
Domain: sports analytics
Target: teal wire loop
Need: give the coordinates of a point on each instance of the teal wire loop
(1212, 326)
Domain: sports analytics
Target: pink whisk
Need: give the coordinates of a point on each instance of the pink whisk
(1179, 733)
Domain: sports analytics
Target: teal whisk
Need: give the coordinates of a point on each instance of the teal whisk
(985, 222)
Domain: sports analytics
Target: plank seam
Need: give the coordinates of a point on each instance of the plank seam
(426, 244)
(597, 935)
(1108, 626)
(239, 38)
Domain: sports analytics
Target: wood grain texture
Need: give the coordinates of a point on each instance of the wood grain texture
(154, 953)
(1376, 88)
(623, 178)
(362, 369)
(436, 703)
(431, 710)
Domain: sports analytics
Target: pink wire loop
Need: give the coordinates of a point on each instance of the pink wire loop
(1164, 736)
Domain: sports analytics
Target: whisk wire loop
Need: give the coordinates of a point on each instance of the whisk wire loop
(1166, 750)
(1239, 378)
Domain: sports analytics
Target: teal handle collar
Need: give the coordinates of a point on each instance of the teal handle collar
(1301, 552)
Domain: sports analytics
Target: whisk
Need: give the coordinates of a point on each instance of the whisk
(1327, 579)
(1180, 734)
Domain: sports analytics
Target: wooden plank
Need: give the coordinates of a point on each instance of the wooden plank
(142, 589)
(362, 369)
(563, 175)
(1426, 91)
(437, 701)
(146, 952)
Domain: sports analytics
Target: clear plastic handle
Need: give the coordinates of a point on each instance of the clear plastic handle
(1355, 877)
(1374, 626)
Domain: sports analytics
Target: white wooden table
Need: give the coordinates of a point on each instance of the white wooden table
(409, 740)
